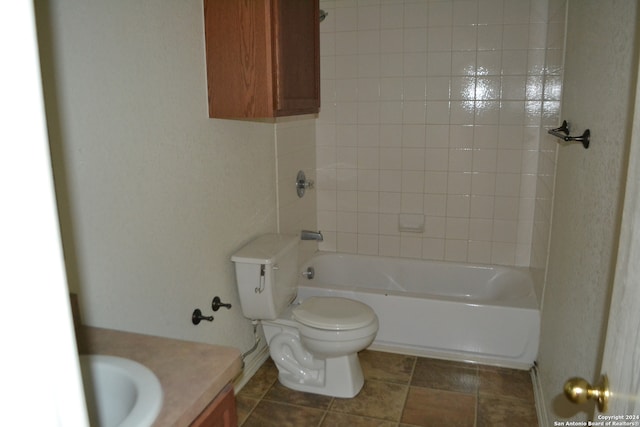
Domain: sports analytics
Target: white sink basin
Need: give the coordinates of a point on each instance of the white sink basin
(120, 392)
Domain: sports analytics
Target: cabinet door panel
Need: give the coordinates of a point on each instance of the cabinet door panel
(239, 58)
(297, 55)
(221, 412)
(263, 57)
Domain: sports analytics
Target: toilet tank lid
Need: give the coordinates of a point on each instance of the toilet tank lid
(265, 249)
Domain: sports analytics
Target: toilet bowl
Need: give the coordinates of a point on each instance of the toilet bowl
(315, 342)
(331, 326)
(321, 360)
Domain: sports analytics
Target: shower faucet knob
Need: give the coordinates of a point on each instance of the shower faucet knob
(309, 273)
(302, 183)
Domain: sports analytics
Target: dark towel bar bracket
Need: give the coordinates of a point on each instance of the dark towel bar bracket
(563, 133)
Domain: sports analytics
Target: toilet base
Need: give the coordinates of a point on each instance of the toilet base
(342, 378)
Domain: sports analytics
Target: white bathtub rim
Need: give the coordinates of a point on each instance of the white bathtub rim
(528, 301)
(524, 270)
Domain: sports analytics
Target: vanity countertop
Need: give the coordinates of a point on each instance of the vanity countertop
(191, 373)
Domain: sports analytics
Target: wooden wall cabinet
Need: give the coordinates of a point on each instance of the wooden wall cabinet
(263, 57)
(221, 412)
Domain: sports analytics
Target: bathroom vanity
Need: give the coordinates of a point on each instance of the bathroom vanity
(195, 377)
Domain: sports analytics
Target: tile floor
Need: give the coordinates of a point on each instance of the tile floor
(399, 391)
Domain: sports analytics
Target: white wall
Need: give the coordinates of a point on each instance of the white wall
(598, 87)
(431, 108)
(155, 195)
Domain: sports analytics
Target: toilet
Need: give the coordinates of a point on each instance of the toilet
(315, 342)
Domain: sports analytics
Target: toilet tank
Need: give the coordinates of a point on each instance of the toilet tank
(266, 275)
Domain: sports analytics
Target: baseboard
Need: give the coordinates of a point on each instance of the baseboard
(252, 363)
(538, 395)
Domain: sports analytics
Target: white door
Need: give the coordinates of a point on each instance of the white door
(40, 377)
(621, 362)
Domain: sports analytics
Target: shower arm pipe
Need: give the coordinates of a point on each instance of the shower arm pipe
(562, 132)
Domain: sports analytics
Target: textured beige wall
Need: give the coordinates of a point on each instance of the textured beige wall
(599, 68)
(548, 146)
(156, 196)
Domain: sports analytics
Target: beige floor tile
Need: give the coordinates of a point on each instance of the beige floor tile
(443, 375)
(261, 381)
(390, 367)
(377, 399)
(504, 412)
(280, 393)
(336, 419)
(244, 406)
(276, 414)
(435, 408)
(505, 382)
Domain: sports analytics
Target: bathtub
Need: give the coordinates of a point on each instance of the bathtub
(475, 313)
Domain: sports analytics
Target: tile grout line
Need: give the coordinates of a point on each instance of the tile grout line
(259, 399)
(406, 395)
(475, 409)
(326, 412)
(252, 409)
(250, 412)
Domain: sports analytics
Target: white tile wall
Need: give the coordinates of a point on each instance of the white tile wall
(435, 108)
(295, 150)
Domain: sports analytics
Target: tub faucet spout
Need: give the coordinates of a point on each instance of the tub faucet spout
(311, 235)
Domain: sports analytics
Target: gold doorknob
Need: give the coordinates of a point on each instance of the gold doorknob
(578, 390)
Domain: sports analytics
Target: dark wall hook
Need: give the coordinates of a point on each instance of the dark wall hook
(217, 303)
(197, 316)
(562, 132)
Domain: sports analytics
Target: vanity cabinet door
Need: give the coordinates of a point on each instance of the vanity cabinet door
(221, 412)
(263, 57)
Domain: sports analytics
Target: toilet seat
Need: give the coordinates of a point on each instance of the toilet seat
(333, 313)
